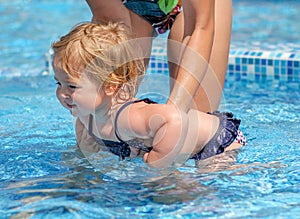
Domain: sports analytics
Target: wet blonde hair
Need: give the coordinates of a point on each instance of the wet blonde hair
(105, 53)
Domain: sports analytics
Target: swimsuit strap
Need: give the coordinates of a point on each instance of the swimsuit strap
(90, 130)
(120, 149)
(146, 100)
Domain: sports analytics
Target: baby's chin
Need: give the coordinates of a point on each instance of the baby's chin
(80, 114)
(74, 113)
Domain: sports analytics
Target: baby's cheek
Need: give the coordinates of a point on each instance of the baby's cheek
(57, 93)
(58, 96)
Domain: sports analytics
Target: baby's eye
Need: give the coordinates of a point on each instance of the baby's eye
(58, 83)
(73, 86)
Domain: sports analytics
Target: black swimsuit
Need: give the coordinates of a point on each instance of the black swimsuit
(225, 135)
(121, 148)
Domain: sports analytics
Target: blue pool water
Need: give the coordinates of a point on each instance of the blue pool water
(43, 175)
(268, 25)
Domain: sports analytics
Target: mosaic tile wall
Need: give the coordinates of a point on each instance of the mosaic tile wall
(263, 65)
(247, 65)
(243, 64)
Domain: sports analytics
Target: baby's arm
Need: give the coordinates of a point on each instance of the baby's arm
(189, 133)
(176, 135)
(167, 126)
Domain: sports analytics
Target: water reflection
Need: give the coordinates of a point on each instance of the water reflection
(206, 189)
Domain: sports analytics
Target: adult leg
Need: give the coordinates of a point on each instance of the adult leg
(175, 47)
(210, 93)
(198, 36)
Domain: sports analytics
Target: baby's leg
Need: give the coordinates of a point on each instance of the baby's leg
(217, 136)
(234, 145)
(202, 127)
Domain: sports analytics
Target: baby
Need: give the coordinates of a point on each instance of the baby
(98, 72)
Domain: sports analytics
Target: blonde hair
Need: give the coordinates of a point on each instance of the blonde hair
(105, 53)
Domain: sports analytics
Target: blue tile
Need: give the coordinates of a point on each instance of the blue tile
(237, 76)
(264, 78)
(244, 74)
(263, 70)
(251, 77)
(284, 67)
(290, 78)
(257, 69)
(292, 56)
(270, 62)
(283, 63)
(296, 73)
(257, 77)
(270, 77)
(290, 75)
(257, 61)
(276, 73)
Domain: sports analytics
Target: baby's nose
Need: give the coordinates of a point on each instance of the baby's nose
(65, 93)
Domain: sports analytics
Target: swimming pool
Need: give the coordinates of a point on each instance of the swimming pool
(42, 174)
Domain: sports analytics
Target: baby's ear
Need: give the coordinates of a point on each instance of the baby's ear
(110, 89)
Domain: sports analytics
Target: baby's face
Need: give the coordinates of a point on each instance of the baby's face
(81, 96)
